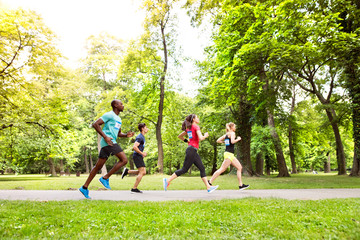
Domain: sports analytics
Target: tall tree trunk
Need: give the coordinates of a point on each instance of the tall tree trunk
(86, 161)
(103, 169)
(327, 165)
(350, 24)
(353, 86)
(131, 162)
(341, 160)
(161, 102)
(242, 117)
(214, 165)
(331, 114)
(62, 172)
(291, 149)
(259, 164)
(52, 167)
(283, 171)
(355, 95)
(355, 171)
(267, 165)
(291, 146)
(160, 163)
(90, 159)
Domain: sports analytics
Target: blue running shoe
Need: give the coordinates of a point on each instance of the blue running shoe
(212, 188)
(85, 192)
(105, 182)
(165, 183)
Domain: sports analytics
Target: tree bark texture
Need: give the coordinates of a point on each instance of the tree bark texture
(350, 24)
(90, 159)
(341, 160)
(283, 171)
(160, 163)
(291, 146)
(355, 170)
(353, 86)
(214, 165)
(86, 161)
(327, 166)
(330, 112)
(242, 117)
(259, 164)
(52, 167)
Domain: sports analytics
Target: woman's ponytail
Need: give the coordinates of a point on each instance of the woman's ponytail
(229, 126)
(188, 122)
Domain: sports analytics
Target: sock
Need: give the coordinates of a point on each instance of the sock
(84, 187)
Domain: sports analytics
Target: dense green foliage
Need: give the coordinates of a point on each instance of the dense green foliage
(285, 71)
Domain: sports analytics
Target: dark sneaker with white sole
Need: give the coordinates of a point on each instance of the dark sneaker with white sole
(135, 190)
(243, 187)
(125, 172)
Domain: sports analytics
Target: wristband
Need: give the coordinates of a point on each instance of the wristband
(185, 140)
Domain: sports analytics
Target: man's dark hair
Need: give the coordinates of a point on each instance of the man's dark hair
(113, 103)
(141, 126)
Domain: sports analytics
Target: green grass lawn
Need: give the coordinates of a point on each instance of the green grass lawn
(248, 218)
(154, 182)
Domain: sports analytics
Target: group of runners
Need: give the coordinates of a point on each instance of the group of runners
(190, 128)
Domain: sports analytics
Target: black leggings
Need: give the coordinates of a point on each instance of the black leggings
(192, 157)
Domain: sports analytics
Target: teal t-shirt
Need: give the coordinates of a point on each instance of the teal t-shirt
(112, 125)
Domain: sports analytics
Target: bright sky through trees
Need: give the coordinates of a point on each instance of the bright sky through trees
(74, 21)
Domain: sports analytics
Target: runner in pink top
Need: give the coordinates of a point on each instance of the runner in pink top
(192, 130)
(193, 137)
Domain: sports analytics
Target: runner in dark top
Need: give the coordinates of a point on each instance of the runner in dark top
(229, 157)
(138, 157)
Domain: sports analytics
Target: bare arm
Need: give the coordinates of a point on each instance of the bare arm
(128, 134)
(201, 137)
(181, 136)
(97, 127)
(233, 140)
(136, 149)
(221, 139)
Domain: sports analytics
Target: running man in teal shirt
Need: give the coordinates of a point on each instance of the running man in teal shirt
(110, 132)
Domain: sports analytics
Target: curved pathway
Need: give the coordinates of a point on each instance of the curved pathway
(184, 195)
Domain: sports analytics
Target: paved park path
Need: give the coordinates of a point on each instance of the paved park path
(184, 195)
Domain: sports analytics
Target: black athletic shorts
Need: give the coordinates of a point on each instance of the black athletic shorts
(138, 160)
(107, 151)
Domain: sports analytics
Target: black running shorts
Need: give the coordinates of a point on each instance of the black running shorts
(138, 160)
(107, 151)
